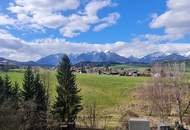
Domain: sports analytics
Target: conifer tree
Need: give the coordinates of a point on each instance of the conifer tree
(9, 94)
(68, 103)
(28, 85)
(1, 81)
(40, 101)
(40, 94)
(2, 89)
(7, 87)
(16, 96)
(10, 117)
(28, 94)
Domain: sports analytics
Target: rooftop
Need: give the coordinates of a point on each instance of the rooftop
(137, 119)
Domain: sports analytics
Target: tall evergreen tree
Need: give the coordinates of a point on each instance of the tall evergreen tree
(2, 90)
(40, 94)
(68, 103)
(16, 96)
(9, 94)
(40, 101)
(7, 87)
(28, 94)
(28, 85)
(10, 118)
(1, 81)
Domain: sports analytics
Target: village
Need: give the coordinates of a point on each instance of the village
(148, 72)
(98, 70)
(112, 71)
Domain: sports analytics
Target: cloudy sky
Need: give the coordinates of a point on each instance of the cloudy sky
(30, 29)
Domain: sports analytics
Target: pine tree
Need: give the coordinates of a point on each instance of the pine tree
(28, 85)
(9, 95)
(68, 103)
(40, 94)
(28, 94)
(1, 81)
(2, 89)
(41, 103)
(10, 117)
(7, 87)
(7, 92)
(16, 96)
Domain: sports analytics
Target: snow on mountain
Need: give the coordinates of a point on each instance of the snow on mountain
(106, 57)
(88, 56)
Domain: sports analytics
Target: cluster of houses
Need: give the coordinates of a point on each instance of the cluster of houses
(149, 72)
(111, 71)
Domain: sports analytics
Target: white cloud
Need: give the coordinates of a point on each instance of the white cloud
(6, 20)
(108, 21)
(75, 25)
(8, 41)
(17, 49)
(159, 39)
(42, 14)
(176, 20)
(35, 6)
(50, 20)
(82, 22)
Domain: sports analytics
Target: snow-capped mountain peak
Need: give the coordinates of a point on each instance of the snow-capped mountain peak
(157, 54)
(108, 56)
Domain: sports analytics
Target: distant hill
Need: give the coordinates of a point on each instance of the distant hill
(7, 61)
(17, 63)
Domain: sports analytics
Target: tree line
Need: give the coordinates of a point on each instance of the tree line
(27, 106)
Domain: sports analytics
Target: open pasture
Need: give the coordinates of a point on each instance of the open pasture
(106, 91)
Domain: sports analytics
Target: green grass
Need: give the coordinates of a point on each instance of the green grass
(107, 91)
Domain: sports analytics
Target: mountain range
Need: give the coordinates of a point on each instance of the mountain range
(111, 57)
(102, 57)
(84, 57)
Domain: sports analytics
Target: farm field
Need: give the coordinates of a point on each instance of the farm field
(106, 91)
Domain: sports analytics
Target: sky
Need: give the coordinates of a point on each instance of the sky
(31, 29)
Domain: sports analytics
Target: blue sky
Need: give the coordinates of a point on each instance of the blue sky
(30, 29)
(129, 25)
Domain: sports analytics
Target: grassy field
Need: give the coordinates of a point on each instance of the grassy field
(106, 91)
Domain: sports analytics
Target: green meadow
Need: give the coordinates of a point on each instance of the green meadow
(106, 91)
